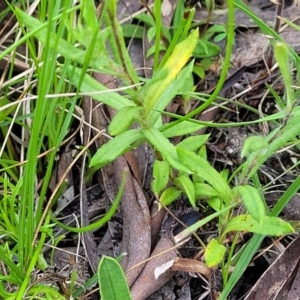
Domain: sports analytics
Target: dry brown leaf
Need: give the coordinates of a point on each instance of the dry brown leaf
(276, 282)
(146, 284)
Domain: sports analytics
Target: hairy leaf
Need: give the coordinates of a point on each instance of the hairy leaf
(115, 147)
(214, 253)
(270, 225)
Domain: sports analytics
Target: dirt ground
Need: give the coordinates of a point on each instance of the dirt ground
(139, 229)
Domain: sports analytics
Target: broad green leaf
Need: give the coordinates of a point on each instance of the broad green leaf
(185, 183)
(179, 57)
(225, 174)
(279, 139)
(146, 18)
(219, 37)
(91, 85)
(281, 53)
(166, 149)
(133, 31)
(203, 153)
(203, 169)
(151, 32)
(89, 14)
(253, 245)
(204, 191)
(253, 144)
(214, 253)
(182, 128)
(215, 203)
(112, 280)
(206, 49)
(199, 70)
(270, 226)
(253, 202)
(160, 176)
(169, 195)
(115, 147)
(123, 119)
(193, 143)
(217, 28)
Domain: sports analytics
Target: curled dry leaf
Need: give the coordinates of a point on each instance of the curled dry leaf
(191, 265)
(147, 284)
(157, 217)
(276, 282)
(136, 222)
(136, 239)
(185, 265)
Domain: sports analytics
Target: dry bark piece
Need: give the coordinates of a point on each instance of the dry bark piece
(276, 282)
(157, 217)
(136, 222)
(191, 265)
(136, 240)
(62, 165)
(146, 284)
(127, 8)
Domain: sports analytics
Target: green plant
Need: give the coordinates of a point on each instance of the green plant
(181, 169)
(112, 280)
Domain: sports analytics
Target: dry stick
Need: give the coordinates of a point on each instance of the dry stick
(13, 121)
(276, 29)
(46, 152)
(87, 237)
(59, 184)
(119, 46)
(157, 255)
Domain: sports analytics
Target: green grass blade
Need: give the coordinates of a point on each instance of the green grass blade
(103, 220)
(256, 241)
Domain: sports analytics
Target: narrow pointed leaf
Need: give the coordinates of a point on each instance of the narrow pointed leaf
(204, 170)
(215, 203)
(123, 120)
(253, 144)
(185, 183)
(91, 85)
(170, 195)
(115, 147)
(253, 202)
(193, 143)
(160, 176)
(204, 191)
(166, 149)
(170, 91)
(281, 53)
(179, 57)
(182, 128)
(89, 14)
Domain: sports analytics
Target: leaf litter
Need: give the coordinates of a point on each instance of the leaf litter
(139, 222)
